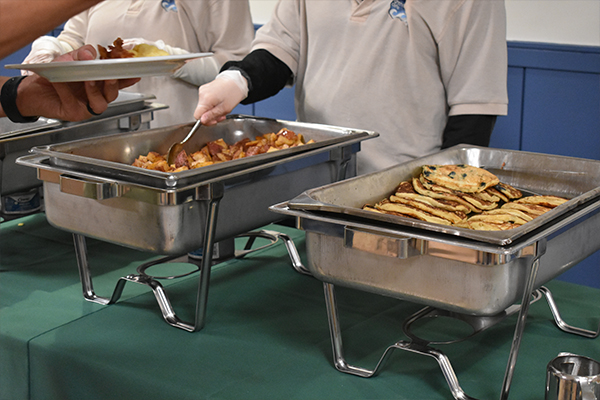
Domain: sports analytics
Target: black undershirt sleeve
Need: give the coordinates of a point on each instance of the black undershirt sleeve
(468, 129)
(265, 73)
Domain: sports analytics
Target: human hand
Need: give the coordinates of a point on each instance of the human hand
(68, 101)
(129, 44)
(219, 97)
(44, 50)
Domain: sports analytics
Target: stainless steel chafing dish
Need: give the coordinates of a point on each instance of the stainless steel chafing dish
(91, 188)
(129, 112)
(476, 274)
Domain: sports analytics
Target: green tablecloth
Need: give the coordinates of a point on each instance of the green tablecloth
(266, 333)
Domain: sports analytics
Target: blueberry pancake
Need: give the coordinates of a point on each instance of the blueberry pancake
(460, 177)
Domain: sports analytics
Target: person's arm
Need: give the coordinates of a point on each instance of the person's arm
(71, 101)
(473, 64)
(265, 73)
(258, 76)
(22, 21)
(468, 129)
(211, 25)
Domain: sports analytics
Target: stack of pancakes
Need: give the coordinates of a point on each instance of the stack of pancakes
(466, 197)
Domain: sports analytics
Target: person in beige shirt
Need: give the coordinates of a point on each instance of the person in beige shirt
(423, 74)
(223, 28)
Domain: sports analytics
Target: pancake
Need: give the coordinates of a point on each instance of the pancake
(477, 202)
(419, 188)
(427, 184)
(461, 177)
(498, 218)
(488, 226)
(487, 195)
(518, 213)
(448, 205)
(405, 187)
(509, 191)
(544, 201)
(492, 191)
(410, 211)
(532, 209)
(371, 208)
(452, 216)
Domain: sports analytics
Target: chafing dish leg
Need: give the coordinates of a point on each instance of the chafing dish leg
(86, 276)
(273, 236)
(562, 325)
(540, 249)
(336, 336)
(209, 240)
(341, 364)
(164, 303)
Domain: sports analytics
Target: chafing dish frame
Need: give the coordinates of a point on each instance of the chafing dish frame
(209, 191)
(404, 239)
(531, 249)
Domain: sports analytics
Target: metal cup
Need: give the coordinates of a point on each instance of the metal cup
(573, 377)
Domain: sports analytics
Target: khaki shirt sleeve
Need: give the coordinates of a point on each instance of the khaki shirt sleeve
(282, 34)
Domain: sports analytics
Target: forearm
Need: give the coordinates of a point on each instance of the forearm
(468, 129)
(2, 80)
(266, 74)
(22, 21)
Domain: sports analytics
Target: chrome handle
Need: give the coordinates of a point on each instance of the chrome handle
(97, 190)
(385, 245)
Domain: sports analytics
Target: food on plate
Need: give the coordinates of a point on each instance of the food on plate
(116, 50)
(218, 151)
(465, 197)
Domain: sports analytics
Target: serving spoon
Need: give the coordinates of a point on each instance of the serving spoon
(176, 148)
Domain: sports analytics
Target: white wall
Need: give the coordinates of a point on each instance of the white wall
(549, 21)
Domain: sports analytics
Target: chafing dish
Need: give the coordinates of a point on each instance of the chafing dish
(91, 189)
(460, 271)
(129, 112)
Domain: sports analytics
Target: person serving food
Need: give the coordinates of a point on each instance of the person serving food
(174, 27)
(423, 74)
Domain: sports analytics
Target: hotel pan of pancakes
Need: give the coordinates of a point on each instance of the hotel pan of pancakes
(464, 196)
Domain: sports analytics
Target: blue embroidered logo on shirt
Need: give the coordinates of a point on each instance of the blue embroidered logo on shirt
(397, 10)
(169, 5)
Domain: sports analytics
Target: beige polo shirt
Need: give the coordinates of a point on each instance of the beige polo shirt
(356, 65)
(223, 27)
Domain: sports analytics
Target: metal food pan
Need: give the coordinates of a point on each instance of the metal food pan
(10, 129)
(15, 178)
(470, 272)
(116, 205)
(439, 270)
(573, 178)
(112, 156)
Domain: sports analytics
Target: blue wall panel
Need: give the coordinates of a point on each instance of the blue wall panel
(507, 132)
(280, 106)
(561, 113)
(15, 58)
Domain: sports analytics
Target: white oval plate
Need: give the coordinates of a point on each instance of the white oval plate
(117, 68)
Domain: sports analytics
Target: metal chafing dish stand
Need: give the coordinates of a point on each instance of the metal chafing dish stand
(475, 276)
(129, 112)
(91, 189)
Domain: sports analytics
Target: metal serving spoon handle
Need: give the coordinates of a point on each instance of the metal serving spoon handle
(176, 148)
